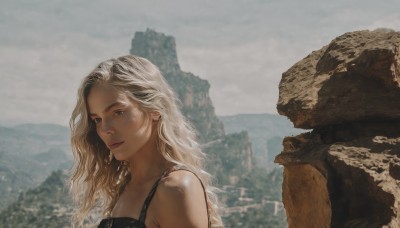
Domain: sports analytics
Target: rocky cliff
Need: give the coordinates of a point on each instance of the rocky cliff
(230, 157)
(196, 104)
(346, 172)
(191, 89)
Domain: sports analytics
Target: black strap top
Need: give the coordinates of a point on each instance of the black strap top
(128, 222)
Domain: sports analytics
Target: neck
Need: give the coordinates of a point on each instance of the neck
(147, 164)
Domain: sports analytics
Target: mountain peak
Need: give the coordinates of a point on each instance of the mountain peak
(157, 47)
(191, 90)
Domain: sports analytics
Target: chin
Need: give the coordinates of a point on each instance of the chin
(119, 158)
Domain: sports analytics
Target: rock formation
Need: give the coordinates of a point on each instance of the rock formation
(340, 82)
(191, 90)
(230, 157)
(196, 103)
(346, 171)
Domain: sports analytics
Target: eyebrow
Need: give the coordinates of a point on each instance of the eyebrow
(109, 107)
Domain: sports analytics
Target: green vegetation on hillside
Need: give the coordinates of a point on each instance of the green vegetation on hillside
(48, 205)
(28, 154)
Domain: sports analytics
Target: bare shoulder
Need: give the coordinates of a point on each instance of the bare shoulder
(178, 182)
(181, 201)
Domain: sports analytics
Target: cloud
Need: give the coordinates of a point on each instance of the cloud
(249, 71)
(242, 48)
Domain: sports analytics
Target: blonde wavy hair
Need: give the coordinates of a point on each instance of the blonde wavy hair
(97, 181)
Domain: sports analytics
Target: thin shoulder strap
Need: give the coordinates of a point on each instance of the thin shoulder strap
(154, 188)
(149, 197)
(202, 185)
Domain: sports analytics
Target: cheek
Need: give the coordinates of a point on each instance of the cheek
(142, 131)
(131, 122)
(139, 129)
(101, 134)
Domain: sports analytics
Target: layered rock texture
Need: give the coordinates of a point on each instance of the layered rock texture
(346, 171)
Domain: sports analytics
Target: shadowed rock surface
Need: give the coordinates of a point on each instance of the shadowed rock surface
(346, 172)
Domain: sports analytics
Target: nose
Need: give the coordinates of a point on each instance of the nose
(107, 127)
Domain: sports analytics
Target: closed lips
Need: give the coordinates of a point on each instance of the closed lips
(115, 144)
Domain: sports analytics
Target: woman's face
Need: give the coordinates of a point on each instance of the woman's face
(120, 123)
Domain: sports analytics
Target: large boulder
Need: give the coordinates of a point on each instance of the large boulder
(346, 171)
(355, 77)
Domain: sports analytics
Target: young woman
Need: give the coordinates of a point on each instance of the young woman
(135, 154)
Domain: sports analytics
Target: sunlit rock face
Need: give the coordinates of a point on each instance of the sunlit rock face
(355, 77)
(346, 171)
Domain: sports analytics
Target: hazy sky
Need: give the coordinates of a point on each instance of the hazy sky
(240, 46)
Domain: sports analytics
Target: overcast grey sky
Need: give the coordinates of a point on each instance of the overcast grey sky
(240, 46)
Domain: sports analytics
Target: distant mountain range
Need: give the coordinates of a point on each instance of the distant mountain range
(48, 205)
(28, 154)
